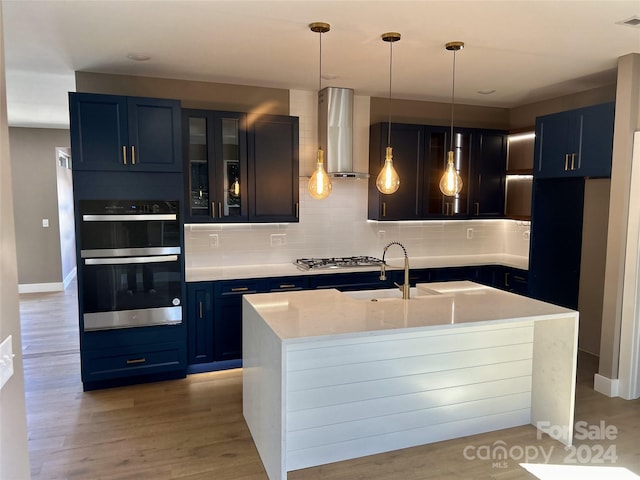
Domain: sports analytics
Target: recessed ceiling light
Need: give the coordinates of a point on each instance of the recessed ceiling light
(630, 22)
(486, 91)
(138, 57)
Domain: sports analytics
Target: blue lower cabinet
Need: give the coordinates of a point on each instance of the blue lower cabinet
(514, 280)
(350, 281)
(227, 323)
(133, 355)
(200, 322)
(449, 274)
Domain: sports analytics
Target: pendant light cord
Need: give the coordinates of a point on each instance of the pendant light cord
(390, 64)
(320, 85)
(453, 94)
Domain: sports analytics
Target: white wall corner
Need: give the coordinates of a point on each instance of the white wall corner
(606, 386)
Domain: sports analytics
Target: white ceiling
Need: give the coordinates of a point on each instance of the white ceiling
(524, 50)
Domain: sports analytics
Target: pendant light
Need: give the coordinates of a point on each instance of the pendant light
(451, 182)
(319, 184)
(388, 180)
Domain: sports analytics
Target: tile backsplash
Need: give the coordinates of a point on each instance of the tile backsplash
(338, 226)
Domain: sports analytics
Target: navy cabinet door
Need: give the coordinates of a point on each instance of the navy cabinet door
(556, 240)
(200, 322)
(487, 178)
(596, 140)
(115, 133)
(154, 134)
(408, 155)
(99, 131)
(273, 168)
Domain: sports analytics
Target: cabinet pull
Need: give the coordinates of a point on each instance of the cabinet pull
(124, 154)
(566, 162)
(384, 209)
(136, 360)
(133, 155)
(219, 209)
(477, 204)
(573, 161)
(506, 279)
(200, 309)
(288, 285)
(240, 289)
(213, 209)
(297, 210)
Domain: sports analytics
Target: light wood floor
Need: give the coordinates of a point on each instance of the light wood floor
(194, 429)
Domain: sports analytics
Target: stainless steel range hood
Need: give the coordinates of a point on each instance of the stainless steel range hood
(335, 131)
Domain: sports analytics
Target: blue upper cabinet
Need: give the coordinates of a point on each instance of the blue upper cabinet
(576, 143)
(116, 133)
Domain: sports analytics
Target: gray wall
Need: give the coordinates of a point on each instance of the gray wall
(14, 453)
(33, 161)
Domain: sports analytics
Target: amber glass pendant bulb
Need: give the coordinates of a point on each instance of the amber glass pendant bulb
(319, 184)
(451, 182)
(388, 180)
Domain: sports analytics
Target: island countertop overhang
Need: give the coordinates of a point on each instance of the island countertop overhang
(296, 316)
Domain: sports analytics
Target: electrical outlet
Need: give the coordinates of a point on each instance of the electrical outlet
(278, 239)
(213, 240)
(381, 234)
(469, 233)
(45, 222)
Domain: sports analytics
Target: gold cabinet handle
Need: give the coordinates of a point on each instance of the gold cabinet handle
(219, 209)
(240, 289)
(297, 210)
(477, 204)
(213, 209)
(124, 154)
(133, 154)
(384, 209)
(288, 285)
(573, 161)
(136, 360)
(506, 279)
(566, 162)
(200, 309)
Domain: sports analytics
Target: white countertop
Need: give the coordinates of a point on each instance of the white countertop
(202, 274)
(315, 313)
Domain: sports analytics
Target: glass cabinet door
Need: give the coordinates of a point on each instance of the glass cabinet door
(233, 189)
(231, 186)
(198, 163)
(435, 203)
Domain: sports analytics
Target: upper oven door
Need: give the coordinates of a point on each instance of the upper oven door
(111, 228)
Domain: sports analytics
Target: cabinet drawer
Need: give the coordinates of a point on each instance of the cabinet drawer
(105, 364)
(237, 287)
(286, 284)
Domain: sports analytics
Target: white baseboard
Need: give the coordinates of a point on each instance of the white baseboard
(41, 287)
(606, 386)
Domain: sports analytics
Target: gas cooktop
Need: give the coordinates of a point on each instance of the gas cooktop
(337, 262)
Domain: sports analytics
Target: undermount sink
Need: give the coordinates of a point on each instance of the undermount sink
(387, 294)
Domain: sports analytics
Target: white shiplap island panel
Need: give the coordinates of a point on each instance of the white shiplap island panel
(328, 377)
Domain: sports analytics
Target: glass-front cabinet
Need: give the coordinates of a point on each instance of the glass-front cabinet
(438, 145)
(216, 158)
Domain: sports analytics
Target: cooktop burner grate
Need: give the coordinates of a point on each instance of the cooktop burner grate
(337, 262)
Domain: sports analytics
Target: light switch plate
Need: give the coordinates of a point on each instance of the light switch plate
(6, 360)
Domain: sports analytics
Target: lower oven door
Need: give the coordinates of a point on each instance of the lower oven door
(128, 292)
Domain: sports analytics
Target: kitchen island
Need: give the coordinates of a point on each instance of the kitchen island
(329, 376)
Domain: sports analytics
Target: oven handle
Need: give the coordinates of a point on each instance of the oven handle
(130, 260)
(129, 218)
(128, 252)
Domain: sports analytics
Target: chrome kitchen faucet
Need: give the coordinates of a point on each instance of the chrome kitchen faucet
(405, 287)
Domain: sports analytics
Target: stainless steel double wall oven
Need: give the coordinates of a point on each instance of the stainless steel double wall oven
(131, 263)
